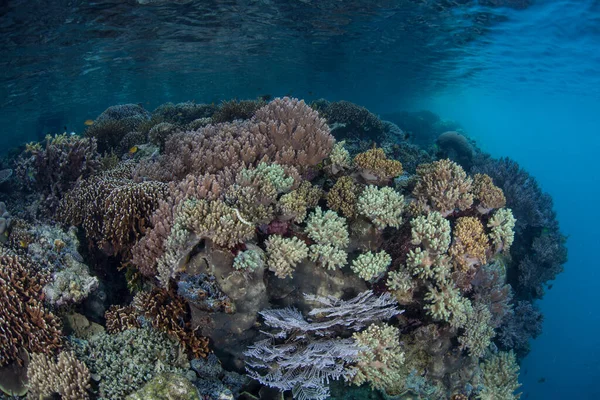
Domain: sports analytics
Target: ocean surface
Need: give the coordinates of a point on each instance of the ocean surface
(522, 77)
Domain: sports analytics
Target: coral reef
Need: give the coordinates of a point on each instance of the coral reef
(284, 253)
(343, 197)
(66, 376)
(499, 377)
(375, 167)
(371, 266)
(382, 206)
(166, 386)
(114, 123)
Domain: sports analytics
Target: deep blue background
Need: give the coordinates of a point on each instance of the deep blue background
(525, 83)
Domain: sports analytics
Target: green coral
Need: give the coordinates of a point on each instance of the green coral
(249, 260)
(328, 256)
(500, 375)
(380, 361)
(125, 361)
(382, 206)
(327, 228)
(369, 266)
(447, 304)
(294, 205)
(478, 331)
(167, 386)
(284, 253)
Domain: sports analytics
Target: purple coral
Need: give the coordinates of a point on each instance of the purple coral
(524, 323)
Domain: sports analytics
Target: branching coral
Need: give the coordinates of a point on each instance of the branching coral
(121, 318)
(168, 313)
(502, 225)
(478, 332)
(249, 260)
(380, 358)
(500, 375)
(370, 266)
(431, 232)
(350, 119)
(447, 304)
(383, 206)
(70, 285)
(443, 186)
(284, 253)
(54, 167)
(469, 245)
(114, 123)
(375, 167)
(231, 110)
(66, 376)
(330, 233)
(294, 205)
(343, 196)
(125, 361)
(26, 323)
(339, 159)
(487, 195)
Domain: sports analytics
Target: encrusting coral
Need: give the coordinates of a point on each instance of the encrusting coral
(66, 376)
(443, 186)
(382, 206)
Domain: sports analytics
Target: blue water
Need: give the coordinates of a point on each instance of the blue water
(524, 83)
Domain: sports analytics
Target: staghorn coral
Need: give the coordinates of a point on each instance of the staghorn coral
(487, 195)
(343, 196)
(380, 358)
(502, 225)
(231, 110)
(121, 318)
(53, 168)
(432, 232)
(123, 362)
(382, 206)
(375, 167)
(26, 323)
(194, 221)
(500, 375)
(169, 313)
(66, 376)
(371, 266)
(443, 186)
(295, 204)
(283, 254)
(469, 245)
(478, 332)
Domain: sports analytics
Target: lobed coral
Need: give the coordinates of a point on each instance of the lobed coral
(374, 166)
(66, 376)
(443, 186)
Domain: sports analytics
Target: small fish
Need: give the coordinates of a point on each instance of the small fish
(133, 150)
(266, 97)
(88, 122)
(23, 244)
(542, 380)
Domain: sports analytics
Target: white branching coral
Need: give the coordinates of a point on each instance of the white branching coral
(502, 226)
(445, 303)
(432, 232)
(382, 206)
(370, 266)
(478, 331)
(381, 357)
(283, 254)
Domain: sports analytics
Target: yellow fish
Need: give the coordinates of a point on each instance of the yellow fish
(133, 150)
(89, 122)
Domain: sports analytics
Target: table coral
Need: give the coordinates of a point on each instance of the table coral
(382, 206)
(443, 186)
(26, 323)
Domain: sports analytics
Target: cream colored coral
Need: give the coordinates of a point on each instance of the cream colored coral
(383, 206)
(447, 304)
(273, 174)
(284, 253)
(327, 228)
(249, 260)
(369, 266)
(432, 232)
(340, 157)
(328, 256)
(478, 332)
(487, 195)
(380, 361)
(294, 205)
(443, 186)
(66, 376)
(470, 244)
(500, 375)
(502, 226)
(375, 166)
